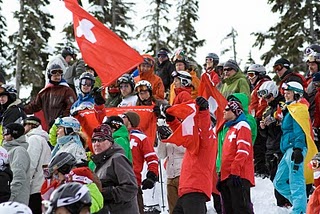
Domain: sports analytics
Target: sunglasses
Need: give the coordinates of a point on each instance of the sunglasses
(227, 109)
(209, 59)
(99, 140)
(53, 72)
(277, 68)
(227, 69)
(251, 75)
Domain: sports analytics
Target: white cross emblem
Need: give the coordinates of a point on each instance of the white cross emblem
(232, 136)
(133, 143)
(84, 29)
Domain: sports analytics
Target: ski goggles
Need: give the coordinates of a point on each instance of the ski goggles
(54, 72)
(251, 75)
(86, 82)
(142, 88)
(262, 93)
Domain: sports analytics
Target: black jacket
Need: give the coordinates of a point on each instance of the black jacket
(5, 181)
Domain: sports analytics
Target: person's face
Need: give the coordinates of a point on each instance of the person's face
(228, 114)
(63, 210)
(3, 99)
(279, 69)
(145, 67)
(7, 137)
(56, 75)
(209, 62)
(126, 122)
(288, 95)
(252, 77)
(68, 59)
(60, 132)
(144, 94)
(177, 82)
(27, 128)
(125, 89)
(100, 145)
(162, 58)
(180, 66)
(229, 72)
(58, 176)
(313, 67)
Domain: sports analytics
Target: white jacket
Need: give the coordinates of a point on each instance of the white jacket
(40, 154)
(174, 155)
(130, 100)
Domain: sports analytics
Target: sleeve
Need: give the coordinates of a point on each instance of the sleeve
(80, 68)
(244, 87)
(53, 135)
(13, 114)
(127, 187)
(34, 151)
(34, 106)
(159, 89)
(149, 155)
(96, 197)
(19, 166)
(298, 136)
(70, 98)
(243, 147)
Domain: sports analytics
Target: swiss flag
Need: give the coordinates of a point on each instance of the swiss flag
(217, 102)
(186, 133)
(101, 48)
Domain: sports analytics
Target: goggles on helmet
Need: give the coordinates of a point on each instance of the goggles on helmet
(53, 72)
(86, 82)
(60, 122)
(263, 93)
(285, 86)
(251, 74)
(142, 88)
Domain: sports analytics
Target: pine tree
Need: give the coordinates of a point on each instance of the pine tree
(3, 43)
(29, 44)
(298, 27)
(185, 35)
(157, 32)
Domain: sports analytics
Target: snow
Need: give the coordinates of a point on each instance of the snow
(262, 197)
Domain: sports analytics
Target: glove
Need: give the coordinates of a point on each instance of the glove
(96, 93)
(202, 103)
(149, 182)
(164, 132)
(157, 111)
(297, 156)
(236, 180)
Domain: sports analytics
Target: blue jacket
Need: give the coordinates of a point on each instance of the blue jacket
(292, 134)
(82, 102)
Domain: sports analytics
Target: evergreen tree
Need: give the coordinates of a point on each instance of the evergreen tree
(298, 27)
(29, 44)
(185, 34)
(3, 43)
(157, 32)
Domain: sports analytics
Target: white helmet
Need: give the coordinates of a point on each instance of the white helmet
(257, 69)
(144, 84)
(12, 207)
(296, 87)
(70, 124)
(268, 87)
(184, 76)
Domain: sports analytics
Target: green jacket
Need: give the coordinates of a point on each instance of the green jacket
(121, 137)
(96, 198)
(222, 133)
(235, 84)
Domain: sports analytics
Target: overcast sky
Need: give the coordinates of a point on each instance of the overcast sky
(216, 19)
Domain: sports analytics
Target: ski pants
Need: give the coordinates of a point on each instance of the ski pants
(191, 203)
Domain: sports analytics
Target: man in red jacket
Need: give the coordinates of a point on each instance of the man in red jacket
(142, 150)
(237, 170)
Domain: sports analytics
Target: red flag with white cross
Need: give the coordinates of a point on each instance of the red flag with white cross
(101, 48)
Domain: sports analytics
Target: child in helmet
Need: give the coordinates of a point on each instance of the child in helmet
(85, 98)
(68, 138)
(126, 84)
(76, 199)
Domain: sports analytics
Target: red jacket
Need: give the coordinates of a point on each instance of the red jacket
(316, 122)
(142, 150)
(182, 95)
(237, 153)
(257, 104)
(214, 77)
(197, 169)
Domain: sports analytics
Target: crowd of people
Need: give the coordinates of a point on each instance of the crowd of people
(53, 161)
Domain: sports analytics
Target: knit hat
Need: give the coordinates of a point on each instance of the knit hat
(133, 118)
(284, 62)
(115, 122)
(232, 64)
(3, 156)
(235, 107)
(16, 130)
(103, 131)
(316, 77)
(81, 175)
(32, 120)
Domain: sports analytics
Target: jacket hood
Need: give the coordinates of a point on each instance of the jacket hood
(38, 131)
(151, 71)
(21, 141)
(231, 79)
(244, 100)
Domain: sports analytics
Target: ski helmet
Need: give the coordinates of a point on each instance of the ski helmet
(184, 76)
(83, 80)
(115, 122)
(68, 51)
(143, 85)
(296, 87)
(311, 49)
(63, 162)
(73, 196)
(53, 69)
(126, 78)
(268, 88)
(10, 91)
(214, 57)
(12, 207)
(256, 70)
(70, 124)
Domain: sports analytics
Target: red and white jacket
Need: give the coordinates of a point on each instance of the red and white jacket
(237, 153)
(142, 150)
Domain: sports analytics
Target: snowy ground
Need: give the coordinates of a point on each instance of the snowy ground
(261, 196)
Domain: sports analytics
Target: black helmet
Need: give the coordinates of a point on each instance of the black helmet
(73, 196)
(68, 51)
(214, 57)
(53, 69)
(115, 122)
(86, 76)
(63, 162)
(126, 78)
